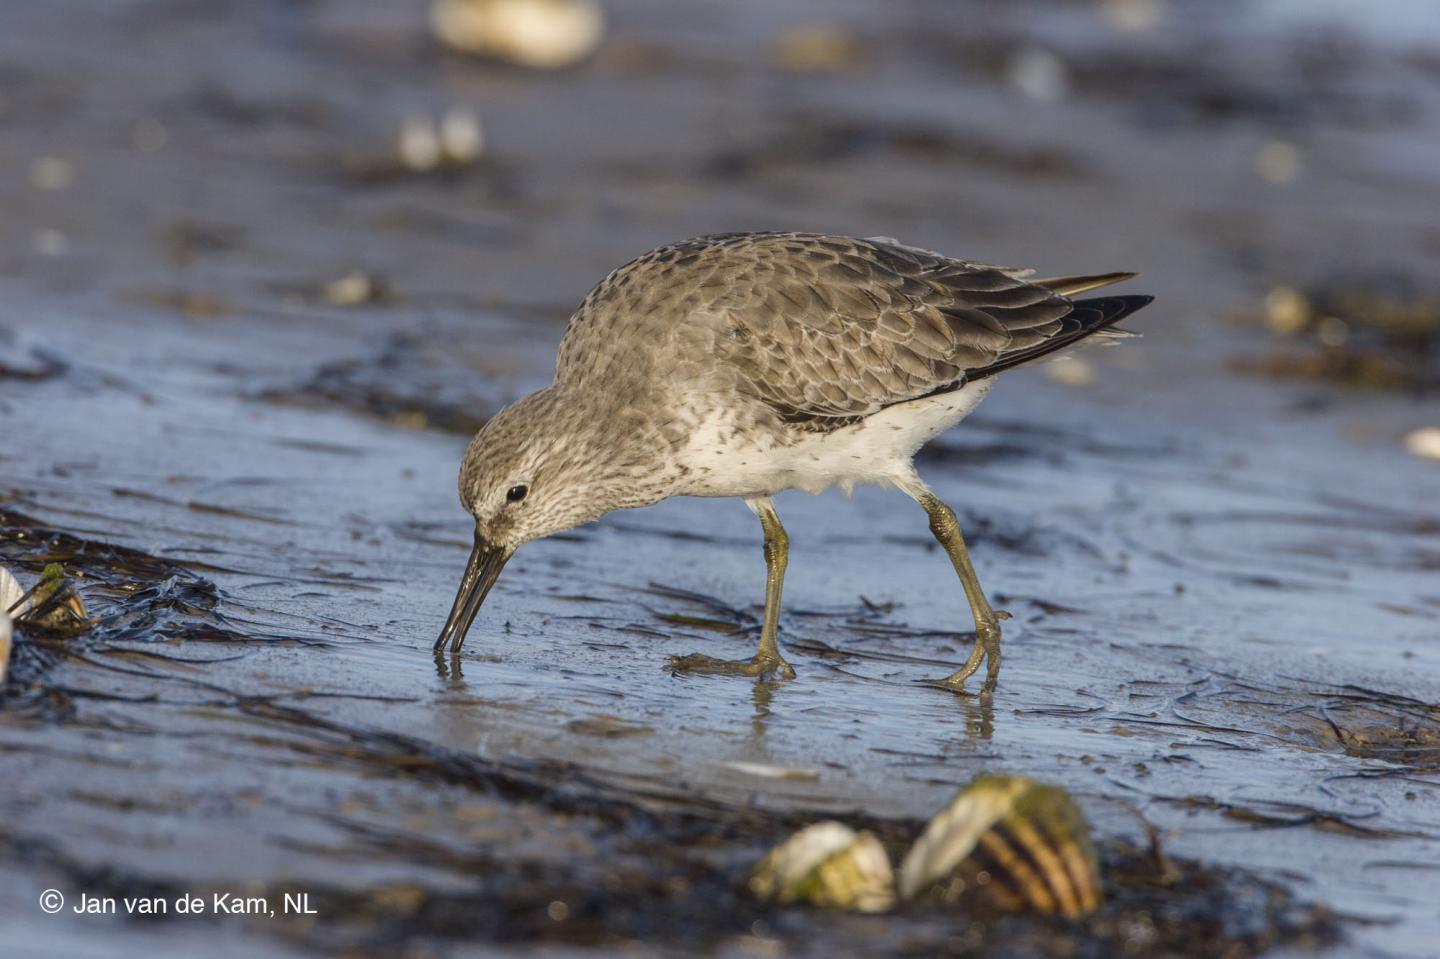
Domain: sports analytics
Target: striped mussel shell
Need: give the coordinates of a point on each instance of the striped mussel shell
(828, 864)
(1010, 842)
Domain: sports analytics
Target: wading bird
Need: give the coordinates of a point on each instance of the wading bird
(746, 364)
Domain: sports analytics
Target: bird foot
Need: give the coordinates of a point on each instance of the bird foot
(987, 650)
(761, 667)
(957, 686)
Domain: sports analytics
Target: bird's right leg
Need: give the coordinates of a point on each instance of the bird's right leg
(946, 529)
(767, 661)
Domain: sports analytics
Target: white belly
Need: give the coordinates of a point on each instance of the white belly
(875, 451)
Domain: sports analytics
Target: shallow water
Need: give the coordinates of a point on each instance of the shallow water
(1223, 588)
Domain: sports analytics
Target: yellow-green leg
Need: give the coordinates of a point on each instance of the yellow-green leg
(767, 662)
(987, 621)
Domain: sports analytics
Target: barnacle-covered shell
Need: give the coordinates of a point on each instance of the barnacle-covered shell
(828, 864)
(54, 604)
(1010, 841)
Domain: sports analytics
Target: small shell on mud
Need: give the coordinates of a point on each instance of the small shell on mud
(1010, 841)
(828, 864)
(545, 34)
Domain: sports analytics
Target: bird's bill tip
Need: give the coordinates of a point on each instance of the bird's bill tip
(481, 571)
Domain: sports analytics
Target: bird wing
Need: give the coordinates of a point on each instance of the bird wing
(830, 328)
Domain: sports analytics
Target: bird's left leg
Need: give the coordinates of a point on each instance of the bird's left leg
(767, 661)
(946, 529)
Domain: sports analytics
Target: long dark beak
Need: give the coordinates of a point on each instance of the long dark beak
(481, 572)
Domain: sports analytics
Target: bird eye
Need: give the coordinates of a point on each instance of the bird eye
(516, 493)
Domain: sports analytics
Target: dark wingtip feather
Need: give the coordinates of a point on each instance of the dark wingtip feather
(1088, 316)
(1133, 301)
(1114, 308)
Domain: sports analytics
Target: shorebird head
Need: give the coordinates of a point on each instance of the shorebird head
(528, 473)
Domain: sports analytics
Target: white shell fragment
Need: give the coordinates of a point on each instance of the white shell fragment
(544, 34)
(10, 593)
(1040, 75)
(419, 145)
(828, 864)
(355, 288)
(1008, 841)
(7, 639)
(767, 771)
(1287, 310)
(461, 139)
(1071, 371)
(455, 141)
(1424, 442)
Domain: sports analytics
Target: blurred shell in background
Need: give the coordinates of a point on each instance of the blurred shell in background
(455, 141)
(818, 48)
(545, 34)
(1424, 442)
(827, 864)
(1008, 841)
(355, 288)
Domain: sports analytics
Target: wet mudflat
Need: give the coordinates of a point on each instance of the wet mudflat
(1224, 585)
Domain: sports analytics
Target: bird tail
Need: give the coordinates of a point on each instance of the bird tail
(1097, 315)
